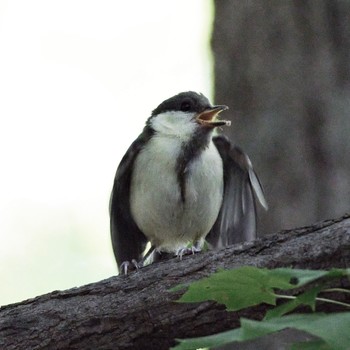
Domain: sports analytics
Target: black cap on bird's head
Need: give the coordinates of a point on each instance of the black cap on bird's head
(192, 102)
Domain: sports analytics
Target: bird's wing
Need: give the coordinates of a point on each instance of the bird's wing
(237, 218)
(127, 240)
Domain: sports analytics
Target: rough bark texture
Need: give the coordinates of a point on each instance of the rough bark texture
(139, 312)
(283, 67)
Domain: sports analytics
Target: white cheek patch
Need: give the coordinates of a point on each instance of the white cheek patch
(178, 124)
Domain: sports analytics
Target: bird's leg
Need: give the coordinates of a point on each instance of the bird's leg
(127, 266)
(151, 251)
(195, 248)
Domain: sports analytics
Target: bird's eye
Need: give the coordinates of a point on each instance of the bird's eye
(185, 106)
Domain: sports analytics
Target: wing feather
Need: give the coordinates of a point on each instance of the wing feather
(236, 221)
(127, 239)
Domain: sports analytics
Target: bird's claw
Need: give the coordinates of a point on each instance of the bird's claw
(187, 251)
(127, 266)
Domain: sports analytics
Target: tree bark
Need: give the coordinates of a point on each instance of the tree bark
(283, 68)
(139, 312)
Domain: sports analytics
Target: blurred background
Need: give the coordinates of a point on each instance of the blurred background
(79, 78)
(283, 67)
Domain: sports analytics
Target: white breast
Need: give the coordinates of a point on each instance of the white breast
(156, 205)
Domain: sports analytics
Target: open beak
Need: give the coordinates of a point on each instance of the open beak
(209, 117)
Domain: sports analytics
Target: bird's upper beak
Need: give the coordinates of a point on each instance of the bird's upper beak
(209, 117)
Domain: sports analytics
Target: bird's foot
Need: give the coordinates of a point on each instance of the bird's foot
(127, 266)
(187, 251)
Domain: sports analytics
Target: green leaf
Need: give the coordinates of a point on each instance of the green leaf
(248, 286)
(307, 298)
(311, 345)
(338, 273)
(295, 277)
(179, 287)
(332, 329)
(215, 340)
(237, 289)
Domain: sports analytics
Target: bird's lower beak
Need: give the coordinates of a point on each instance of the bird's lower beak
(209, 117)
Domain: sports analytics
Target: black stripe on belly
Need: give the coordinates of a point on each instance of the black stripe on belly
(190, 151)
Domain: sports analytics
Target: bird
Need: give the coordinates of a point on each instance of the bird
(181, 184)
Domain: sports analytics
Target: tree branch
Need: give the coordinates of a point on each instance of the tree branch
(139, 312)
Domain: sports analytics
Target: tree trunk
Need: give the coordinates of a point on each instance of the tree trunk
(139, 312)
(283, 67)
